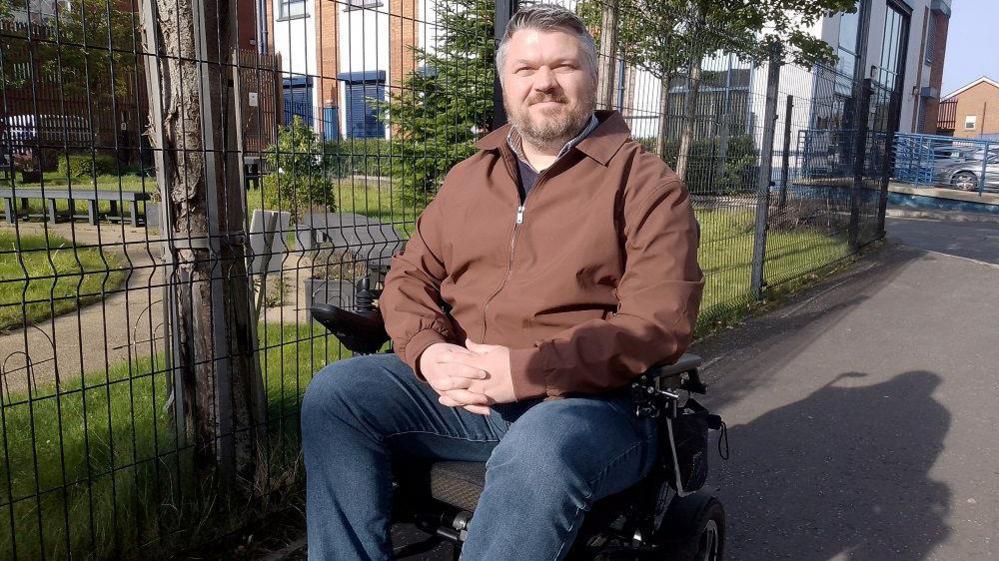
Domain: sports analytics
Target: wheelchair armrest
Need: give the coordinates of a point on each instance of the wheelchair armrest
(685, 363)
(672, 375)
(361, 332)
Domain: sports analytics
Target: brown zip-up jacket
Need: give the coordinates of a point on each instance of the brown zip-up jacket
(589, 282)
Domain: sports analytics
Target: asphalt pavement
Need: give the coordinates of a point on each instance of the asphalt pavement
(862, 415)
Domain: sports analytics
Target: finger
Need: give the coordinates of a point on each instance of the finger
(457, 350)
(466, 397)
(478, 409)
(477, 347)
(462, 370)
(448, 382)
(447, 401)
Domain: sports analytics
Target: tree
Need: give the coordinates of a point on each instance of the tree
(670, 38)
(306, 167)
(78, 48)
(212, 333)
(439, 111)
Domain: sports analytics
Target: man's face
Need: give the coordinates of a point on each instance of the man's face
(548, 89)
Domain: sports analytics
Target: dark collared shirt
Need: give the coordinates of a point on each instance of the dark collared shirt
(529, 175)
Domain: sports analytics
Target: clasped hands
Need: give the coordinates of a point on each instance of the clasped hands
(472, 377)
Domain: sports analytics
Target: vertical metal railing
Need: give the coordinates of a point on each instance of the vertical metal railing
(220, 200)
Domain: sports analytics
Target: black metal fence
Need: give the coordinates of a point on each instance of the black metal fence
(154, 356)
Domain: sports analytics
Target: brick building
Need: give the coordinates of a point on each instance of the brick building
(337, 54)
(973, 110)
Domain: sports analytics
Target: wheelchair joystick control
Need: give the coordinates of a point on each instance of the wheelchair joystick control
(364, 297)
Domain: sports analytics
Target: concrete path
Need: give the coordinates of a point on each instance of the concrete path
(126, 325)
(91, 338)
(862, 416)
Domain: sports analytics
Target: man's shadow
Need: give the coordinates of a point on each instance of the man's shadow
(842, 474)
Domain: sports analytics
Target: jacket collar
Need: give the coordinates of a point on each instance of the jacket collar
(601, 144)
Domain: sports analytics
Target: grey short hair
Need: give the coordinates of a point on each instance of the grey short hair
(548, 17)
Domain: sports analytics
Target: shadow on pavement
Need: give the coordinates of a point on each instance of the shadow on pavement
(740, 360)
(841, 474)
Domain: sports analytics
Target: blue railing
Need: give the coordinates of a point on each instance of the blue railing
(968, 164)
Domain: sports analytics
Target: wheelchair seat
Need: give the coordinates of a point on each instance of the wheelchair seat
(458, 484)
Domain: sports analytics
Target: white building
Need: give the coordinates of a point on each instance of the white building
(337, 54)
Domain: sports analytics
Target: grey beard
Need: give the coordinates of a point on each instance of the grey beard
(553, 133)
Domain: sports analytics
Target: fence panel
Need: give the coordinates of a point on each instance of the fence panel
(175, 204)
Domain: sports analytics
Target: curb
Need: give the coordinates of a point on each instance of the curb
(953, 216)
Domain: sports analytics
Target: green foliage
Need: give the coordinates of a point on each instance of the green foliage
(93, 37)
(437, 115)
(306, 170)
(663, 36)
(712, 172)
(86, 165)
(367, 156)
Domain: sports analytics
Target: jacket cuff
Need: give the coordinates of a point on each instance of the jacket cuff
(529, 371)
(419, 343)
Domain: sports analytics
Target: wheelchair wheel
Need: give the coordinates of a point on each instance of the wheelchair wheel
(695, 529)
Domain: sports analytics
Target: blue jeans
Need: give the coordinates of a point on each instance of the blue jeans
(546, 461)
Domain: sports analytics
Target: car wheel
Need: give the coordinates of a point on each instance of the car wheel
(965, 181)
(702, 538)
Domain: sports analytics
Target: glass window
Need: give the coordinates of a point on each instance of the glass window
(970, 122)
(896, 32)
(848, 25)
(291, 8)
(358, 4)
(844, 71)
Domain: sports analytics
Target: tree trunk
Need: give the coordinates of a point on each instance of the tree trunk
(608, 51)
(212, 342)
(663, 133)
(689, 118)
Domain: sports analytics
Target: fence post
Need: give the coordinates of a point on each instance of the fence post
(504, 11)
(985, 167)
(786, 156)
(894, 111)
(765, 179)
(859, 160)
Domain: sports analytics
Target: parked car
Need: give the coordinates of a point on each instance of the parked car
(966, 173)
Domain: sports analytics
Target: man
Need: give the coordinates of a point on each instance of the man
(553, 266)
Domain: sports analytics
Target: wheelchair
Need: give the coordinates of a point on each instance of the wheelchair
(667, 516)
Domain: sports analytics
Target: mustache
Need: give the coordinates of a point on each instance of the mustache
(543, 98)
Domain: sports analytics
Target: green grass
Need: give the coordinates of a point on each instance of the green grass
(127, 182)
(116, 432)
(142, 487)
(374, 198)
(726, 257)
(41, 278)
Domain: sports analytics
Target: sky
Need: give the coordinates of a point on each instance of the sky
(972, 43)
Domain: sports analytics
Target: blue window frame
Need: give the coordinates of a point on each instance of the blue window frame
(359, 88)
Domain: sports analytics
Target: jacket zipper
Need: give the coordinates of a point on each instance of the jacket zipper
(513, 244)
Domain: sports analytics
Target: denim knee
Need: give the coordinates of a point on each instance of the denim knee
(330, 388)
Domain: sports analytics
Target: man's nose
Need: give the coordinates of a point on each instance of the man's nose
(544, 80)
